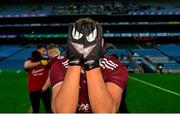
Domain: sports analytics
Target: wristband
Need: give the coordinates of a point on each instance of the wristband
(91, 64)
(73, 62)
(44, 62)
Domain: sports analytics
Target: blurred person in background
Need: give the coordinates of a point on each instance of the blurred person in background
(54, 55)
(53, 49)
(38, 80)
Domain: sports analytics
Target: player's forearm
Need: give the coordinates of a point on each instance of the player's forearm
(29, 65)
(54, 93)
(100, 98)
(47, 84)
(67, 98)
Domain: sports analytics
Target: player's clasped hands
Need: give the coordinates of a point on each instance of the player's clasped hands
(85, 45)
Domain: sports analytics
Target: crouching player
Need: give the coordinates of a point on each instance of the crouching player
(87, 81)
(38, 80)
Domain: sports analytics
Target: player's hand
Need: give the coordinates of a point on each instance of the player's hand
(93, 49)
(44, 62)
(43, 90)
(75, 45)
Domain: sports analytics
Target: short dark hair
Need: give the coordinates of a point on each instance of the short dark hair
(41, 46)
(84, 21)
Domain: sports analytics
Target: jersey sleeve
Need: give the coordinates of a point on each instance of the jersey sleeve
(57, 73)
(119, 74)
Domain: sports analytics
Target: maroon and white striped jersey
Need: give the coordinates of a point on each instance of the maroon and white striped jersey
(111, 68)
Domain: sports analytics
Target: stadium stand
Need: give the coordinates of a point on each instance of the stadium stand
(171, 68)
(157, 60)
(171, 50)
(141, 57)
(96, 7)
(162, 56)
(136, 60)
(147, 52)
(15, 55)
(173, 53)
(7, 50)
(171, 65)
(153, 7)
(61, 8)
(16, 61)
(123, 56)
(119, 52)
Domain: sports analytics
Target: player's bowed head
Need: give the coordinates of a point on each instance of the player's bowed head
(85, 43)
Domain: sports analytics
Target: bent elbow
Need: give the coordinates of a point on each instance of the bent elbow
(26, 65)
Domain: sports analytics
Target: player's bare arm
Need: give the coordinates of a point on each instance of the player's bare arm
(36, 59)
(29, 64)
(55, 91)
(66, 99)
(46, 85)
(104, 97)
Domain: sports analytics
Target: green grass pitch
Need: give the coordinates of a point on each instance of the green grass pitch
(141, 97)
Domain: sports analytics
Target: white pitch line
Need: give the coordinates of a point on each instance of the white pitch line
(155, 86)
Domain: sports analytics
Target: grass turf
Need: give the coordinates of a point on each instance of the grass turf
(144, 98)
(141, 97)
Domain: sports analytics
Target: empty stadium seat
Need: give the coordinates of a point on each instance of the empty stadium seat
(17, 60)
(7, 50)
(119, 52)
(147, 52)
(172, 66)
(157, 60)
(171, 50)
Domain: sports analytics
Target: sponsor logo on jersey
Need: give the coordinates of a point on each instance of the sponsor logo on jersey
(38, 72)
(83, 107)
